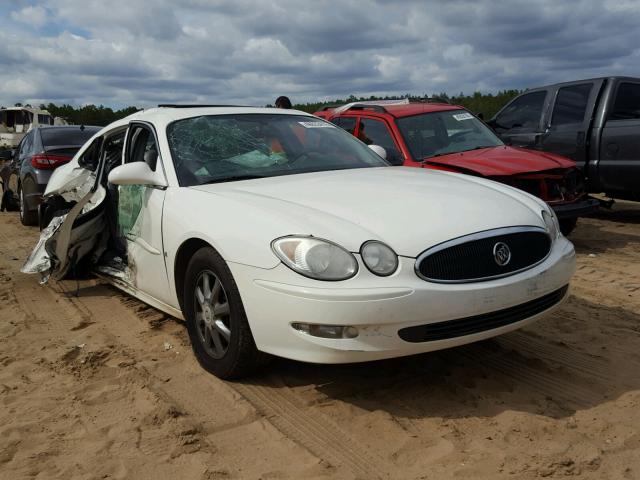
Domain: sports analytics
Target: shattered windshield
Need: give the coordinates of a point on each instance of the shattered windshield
(219, 148)
(439, 133)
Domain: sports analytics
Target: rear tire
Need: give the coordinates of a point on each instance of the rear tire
(567, 225)
(27, 217)
(216, 321)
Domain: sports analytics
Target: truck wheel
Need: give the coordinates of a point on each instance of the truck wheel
(567, 225)
(217, 324)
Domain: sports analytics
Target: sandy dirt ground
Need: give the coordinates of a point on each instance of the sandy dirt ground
(96, 385)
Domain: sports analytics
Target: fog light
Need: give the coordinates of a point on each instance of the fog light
(326, 331)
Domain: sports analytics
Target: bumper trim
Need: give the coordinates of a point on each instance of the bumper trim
(336, 294)
(480, 323)
(577, 209)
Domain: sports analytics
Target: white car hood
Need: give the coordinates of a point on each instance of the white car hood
(410, 209)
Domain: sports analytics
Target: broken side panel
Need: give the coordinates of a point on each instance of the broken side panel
(70, 238)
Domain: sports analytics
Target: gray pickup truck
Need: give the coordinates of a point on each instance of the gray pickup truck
(595, 122)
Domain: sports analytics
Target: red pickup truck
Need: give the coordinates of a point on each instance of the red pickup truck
(448, 137)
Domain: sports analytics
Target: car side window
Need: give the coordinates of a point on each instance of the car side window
(627, 104)
(27, 119)
(142, 147)
(375, 132)
(346, 123)
(90, 159)
(25, 145)
(523, 113)
(571, 104)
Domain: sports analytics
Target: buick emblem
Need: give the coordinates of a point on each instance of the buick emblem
(501, 253)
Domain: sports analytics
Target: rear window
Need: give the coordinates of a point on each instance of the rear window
(571, 104)
(53, 137)
(627, 104)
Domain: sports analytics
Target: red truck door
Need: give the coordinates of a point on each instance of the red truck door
(376, 132)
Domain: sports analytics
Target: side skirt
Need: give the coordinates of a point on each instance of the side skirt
(140, 295)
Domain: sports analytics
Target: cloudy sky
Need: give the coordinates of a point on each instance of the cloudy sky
(127, 52)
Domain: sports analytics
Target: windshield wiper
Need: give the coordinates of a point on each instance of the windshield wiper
(232, 178)
(424, 159)
(477, 148)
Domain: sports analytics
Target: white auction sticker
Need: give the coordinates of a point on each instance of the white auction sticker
(463, 116)
(316, 125)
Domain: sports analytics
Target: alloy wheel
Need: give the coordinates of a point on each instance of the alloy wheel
(212, 314)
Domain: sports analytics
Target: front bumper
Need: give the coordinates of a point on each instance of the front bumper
(576, 209)
(380, 307)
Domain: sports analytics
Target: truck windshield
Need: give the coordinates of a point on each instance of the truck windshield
(439, 133)
(8, 118)
(223, 148)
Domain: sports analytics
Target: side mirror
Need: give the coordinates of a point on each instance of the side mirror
(136, 173)
(378, 150)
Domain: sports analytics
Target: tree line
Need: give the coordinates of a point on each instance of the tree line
(479, 103)
(85, 115)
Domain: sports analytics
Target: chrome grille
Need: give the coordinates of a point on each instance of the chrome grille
(479, 256)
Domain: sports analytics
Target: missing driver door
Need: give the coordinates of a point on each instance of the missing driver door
(140, 217)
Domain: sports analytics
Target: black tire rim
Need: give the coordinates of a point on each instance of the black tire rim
(212, 314)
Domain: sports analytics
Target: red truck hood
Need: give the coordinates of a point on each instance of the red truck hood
(497, 161)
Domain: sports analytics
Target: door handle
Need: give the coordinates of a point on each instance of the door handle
(612, 150)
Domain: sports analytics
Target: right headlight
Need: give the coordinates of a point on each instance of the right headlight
(551, 222)
(379, 258)
(315, 258)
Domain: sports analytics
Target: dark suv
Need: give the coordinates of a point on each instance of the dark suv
(448, 137)
(40, 152)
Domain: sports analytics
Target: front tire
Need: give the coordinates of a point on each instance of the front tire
(216, 321)
(567, 225)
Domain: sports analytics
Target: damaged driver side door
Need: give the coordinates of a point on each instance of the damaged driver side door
(76, 227)
(139, 216)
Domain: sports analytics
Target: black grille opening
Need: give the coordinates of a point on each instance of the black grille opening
(474, 260)
(481, 323)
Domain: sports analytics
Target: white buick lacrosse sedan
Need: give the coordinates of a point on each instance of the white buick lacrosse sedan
(274, 232)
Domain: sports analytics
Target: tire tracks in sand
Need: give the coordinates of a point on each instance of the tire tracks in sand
(196, 392)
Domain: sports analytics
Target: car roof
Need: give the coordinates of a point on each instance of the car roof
(418, 108)
(560, 84)
(68, 127)
(28, 109)
(164, 115)
(168, 114)
(396, 110)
